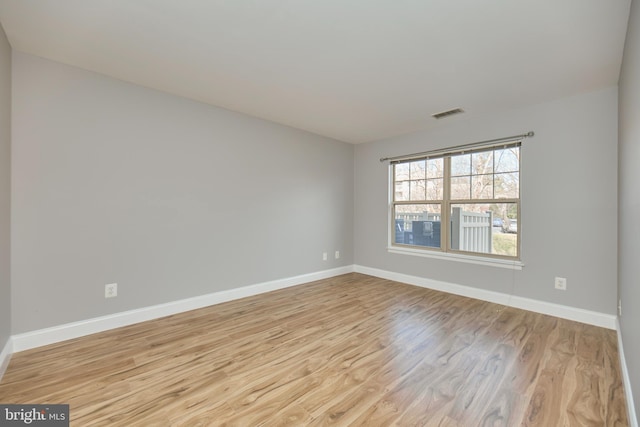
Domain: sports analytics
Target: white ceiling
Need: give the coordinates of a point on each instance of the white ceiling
(354, 70)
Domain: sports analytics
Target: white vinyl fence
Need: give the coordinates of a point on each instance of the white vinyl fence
(471, 231)
(420, 216)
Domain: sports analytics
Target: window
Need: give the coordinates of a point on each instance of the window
(465, 202)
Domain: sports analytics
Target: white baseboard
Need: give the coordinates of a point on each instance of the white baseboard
(631, 410)
(5, 357)
(68, 331)
(579, 315)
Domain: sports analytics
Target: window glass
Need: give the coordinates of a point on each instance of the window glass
(418, 225)
(478, 193)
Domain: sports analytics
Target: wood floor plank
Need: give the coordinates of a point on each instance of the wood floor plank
(349, 350)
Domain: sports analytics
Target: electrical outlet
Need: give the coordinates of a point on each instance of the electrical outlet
(111, 290)
(561, 283)
(619, 307)
(337, 254)
(324, 256)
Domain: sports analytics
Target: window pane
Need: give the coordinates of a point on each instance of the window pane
(507, 160)
(401, 171)
(418, 225)
(461, 165)
(507, 185)
(482, 162)
(485, 228)
(435, 189)
(417, 170)
(435, 168)
(478, 185)
(461, 188)
(401, 191)
(418, 189)
(482, 186)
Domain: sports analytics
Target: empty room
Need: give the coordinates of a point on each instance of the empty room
(301, 213)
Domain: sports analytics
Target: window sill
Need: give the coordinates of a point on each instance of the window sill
(470, 259)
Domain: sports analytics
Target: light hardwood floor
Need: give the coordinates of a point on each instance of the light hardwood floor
(351, 350)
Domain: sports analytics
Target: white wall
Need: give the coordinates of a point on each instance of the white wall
(629, 208)
(5, 190)
(167, 197)
(568, 198)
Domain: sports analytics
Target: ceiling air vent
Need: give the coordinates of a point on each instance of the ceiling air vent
(444, 114)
